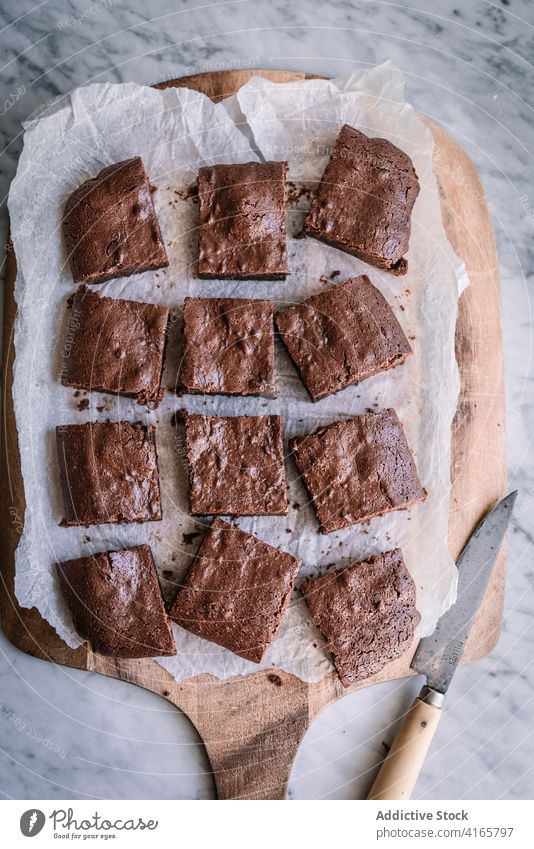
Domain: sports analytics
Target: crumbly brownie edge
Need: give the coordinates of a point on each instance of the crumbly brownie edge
(258, 276)
(126, 271)
(398, 269)
(152, 400)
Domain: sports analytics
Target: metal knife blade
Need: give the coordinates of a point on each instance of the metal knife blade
(438, 655)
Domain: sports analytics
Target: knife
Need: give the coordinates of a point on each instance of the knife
(438, 655)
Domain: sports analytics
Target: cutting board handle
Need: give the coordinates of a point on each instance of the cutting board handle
(400, 771)
(251, 728)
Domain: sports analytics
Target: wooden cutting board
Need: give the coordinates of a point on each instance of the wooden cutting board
(252, 726)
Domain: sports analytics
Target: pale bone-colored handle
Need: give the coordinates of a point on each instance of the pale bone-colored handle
(400, 770)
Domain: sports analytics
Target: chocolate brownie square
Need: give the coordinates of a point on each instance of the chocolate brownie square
(236, 465)
(108, 473)
(228, 346)
(236, 591)
(341, 336)
(110, 225)
(242, 221)
(116, 603)
(366, 613)
(115, 346)
(364, 202)
(357, 469)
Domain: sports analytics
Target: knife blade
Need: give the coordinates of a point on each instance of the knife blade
(438, 656)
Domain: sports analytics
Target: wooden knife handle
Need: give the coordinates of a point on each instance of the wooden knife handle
(400, 770)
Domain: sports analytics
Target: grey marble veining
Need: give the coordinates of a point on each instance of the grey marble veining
(70, 734)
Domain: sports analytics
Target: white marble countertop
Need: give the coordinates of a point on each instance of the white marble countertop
(70, 734)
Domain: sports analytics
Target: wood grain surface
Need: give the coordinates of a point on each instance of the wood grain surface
(252, 726)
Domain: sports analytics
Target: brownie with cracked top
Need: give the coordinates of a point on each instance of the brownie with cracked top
(363, 205)
(366, 613)
(242, 221)
(236, 591)
(116, 346)
(228, 346)
(110, 225)
(108, 473)
(357, 469)
(236, 465)
(116, 603)
(342, 336)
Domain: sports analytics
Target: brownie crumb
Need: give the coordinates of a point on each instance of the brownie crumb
(188, 539)
(275, 679)
(189, 193)
(178, 417)
(296, 191)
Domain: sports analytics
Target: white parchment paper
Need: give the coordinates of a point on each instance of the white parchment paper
(176, 131)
